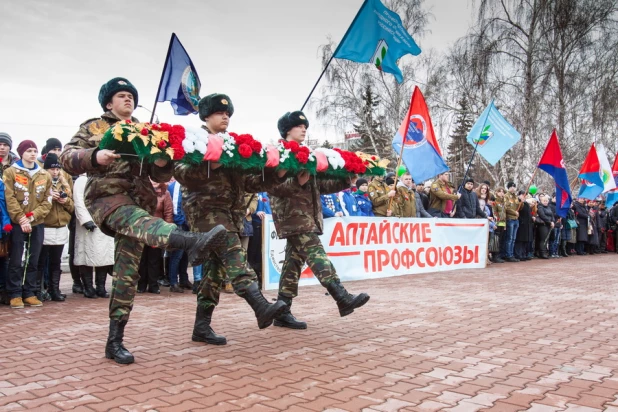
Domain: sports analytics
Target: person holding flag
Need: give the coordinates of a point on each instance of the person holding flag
(121, 200)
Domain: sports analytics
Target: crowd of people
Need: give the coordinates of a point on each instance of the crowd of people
(146, 224)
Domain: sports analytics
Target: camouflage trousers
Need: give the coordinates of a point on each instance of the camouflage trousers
(230, 264)
(134, 228)
(299, 249)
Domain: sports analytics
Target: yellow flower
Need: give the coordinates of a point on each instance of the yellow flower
(118, 131)
(170, 152)
(154, 150)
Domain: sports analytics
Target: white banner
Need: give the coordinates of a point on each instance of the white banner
(375, 247)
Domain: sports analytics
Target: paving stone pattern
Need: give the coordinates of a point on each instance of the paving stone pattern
(540, 336)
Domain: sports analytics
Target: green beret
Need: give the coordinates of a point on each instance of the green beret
(214, 103)
(290, 120)
(115, 85)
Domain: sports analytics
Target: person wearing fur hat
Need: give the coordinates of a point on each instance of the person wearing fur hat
(210, 195)
(56, 232)
(120, 197)
(27, 191)
(297, 214)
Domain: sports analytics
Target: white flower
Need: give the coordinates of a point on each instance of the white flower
(200, 146)
(188, 145)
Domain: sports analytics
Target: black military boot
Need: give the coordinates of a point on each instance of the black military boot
(199, 245)
(563, 249)
(264, 312)
(115, 349)
(202, 332)
(86, 273)
(100, 276)
(54, 286)
(345, 301)
(286, 319)
(77, 280)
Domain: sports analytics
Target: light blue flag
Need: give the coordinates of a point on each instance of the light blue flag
(180, 84)
(377, 36)
(494, 134)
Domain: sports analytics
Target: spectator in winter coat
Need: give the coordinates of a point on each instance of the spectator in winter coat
(420, 206)
(404, 202)
(468, 205)
(361, 196)
(544, 223)
(5, 221)
(331, 206)
(602, 217)
(582, 216)
(93, 248)
(27, 199)
(56, 230)
(420, 190)
(347, 201)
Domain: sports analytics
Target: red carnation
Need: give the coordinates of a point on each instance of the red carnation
(144, 132)
(304, 149)
(29, 214)
(245, 150)
(302, 157)
(162, 145)
(366, 195)
(256, 146)
(293, 146)
(8, 227)
(128, 121)
(373, 158)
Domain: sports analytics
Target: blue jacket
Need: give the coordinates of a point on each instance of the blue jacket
(330, 205)
(4, 213)
(176, 194)
(364, 204)
(263, 205)
(348, 203)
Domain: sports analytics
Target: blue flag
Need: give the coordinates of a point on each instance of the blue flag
(180, 83)
(495, 136)
(377, 36)
(420, 151)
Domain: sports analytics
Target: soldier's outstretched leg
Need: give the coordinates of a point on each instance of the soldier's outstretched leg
(136, 223)
(244, 280)
(288, 287)
(207, 300)
(134, 227)
(309, 245)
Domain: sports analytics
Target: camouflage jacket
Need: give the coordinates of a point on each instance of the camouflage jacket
(122, 183)
(378, 194)
(298, 209)
(213, 197)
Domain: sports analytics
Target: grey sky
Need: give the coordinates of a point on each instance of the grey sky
(56, 54)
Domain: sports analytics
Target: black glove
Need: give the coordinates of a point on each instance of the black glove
(89, 226)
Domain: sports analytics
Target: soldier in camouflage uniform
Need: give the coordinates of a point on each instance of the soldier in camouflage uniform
(213, 195)
(297, 213)
(121, 199)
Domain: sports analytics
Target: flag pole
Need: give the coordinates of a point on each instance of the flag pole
(167, 59)
(333, 55)
(475, 147)
(390, 203)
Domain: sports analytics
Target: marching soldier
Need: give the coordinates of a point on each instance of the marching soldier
(297, 213)
(213, 195)
(121, 200)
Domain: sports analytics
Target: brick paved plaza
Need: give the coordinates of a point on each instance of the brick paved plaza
(539, 336)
